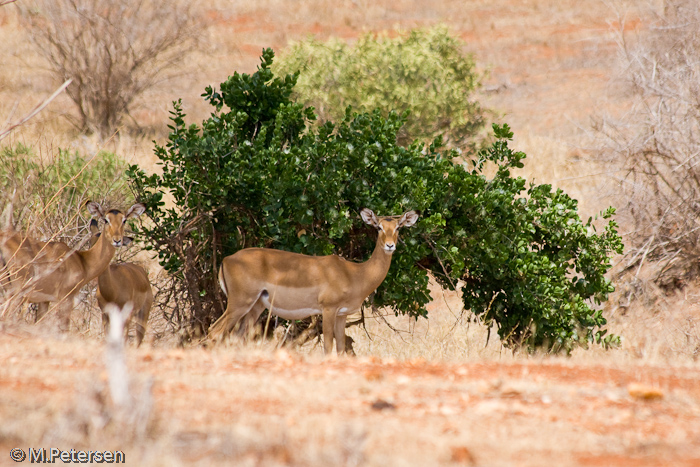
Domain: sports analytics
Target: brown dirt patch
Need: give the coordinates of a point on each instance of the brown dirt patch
(273, 407)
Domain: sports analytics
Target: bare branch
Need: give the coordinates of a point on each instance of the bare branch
(114, 50)
(655, 144)
(37, 109)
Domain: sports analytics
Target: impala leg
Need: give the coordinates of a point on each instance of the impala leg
(127, 324)
(340, 334)
(140, 331)
(41, 310)
(141, 320)
(105, 323)
(228, 321)
(329, 319)
(143, 317)
(64, 308)
(247, 328)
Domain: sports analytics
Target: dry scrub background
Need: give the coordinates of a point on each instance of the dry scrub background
(431, 392)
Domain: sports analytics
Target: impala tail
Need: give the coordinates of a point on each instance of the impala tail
(222, 282)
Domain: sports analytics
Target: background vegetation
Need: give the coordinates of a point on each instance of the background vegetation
(535, 95)
(655, 145)
(423, 72)
(113, 51)
(255, 174)
(48, 193)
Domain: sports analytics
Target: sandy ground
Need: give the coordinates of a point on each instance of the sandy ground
(264, 407)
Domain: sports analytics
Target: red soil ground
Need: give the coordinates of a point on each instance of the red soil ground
(266, 408)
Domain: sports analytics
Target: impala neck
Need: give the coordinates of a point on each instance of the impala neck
(97, 259)
(375, 268)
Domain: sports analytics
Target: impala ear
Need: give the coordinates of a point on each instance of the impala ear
(94, 228)
(135, 211)
(369, 217)
(95, 209)
(408, 219)
(127, 240)
(95, 231)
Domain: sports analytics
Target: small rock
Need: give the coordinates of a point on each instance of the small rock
(374, 374)
(510, 391)
(644, 392)
(381, 404)
(403, 380)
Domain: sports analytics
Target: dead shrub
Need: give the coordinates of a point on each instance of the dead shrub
(113, 50)
(654, 147)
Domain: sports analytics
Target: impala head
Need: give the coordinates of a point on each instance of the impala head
(115, 221)
(388, 227)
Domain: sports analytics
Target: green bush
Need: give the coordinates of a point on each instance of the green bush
(48, 195)
(257, 174)
(423, 72)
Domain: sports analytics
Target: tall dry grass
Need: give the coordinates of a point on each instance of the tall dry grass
(547, 64)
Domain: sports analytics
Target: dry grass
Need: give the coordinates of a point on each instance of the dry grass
(549, 64)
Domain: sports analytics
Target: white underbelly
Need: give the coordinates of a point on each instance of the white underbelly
(293, 304)
(294, 314)
(279, 306)
(301, 313)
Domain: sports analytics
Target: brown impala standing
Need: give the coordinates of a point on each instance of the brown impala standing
(295, 286)
(43, 272)
(123, 283)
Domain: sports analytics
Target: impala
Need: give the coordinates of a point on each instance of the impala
(294, 286)
(43, 272)
(124, 283)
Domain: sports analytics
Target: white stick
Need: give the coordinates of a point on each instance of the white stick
(114, 354)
